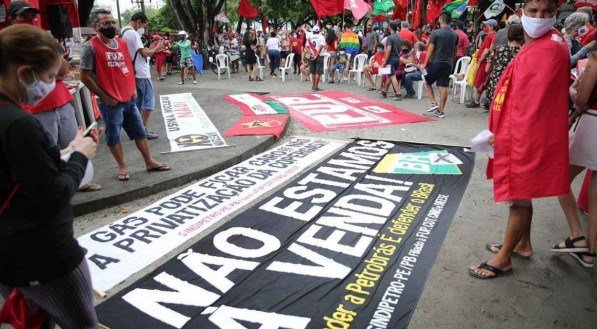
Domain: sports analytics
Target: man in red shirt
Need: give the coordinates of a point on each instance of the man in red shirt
(107, 70)
(490, 27)
(22, 12)
(463, 41)
(406, 34)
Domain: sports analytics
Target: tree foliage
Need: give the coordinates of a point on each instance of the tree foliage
(295, 12)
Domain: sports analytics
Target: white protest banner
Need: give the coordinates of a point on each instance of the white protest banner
(122, 248)
(188, 127)
(254, 104)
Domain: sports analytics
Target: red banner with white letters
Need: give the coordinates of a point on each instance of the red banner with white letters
(339, 110)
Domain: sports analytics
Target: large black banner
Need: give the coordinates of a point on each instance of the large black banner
(349, 244)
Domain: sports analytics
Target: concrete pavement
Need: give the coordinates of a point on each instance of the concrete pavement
(548, 291)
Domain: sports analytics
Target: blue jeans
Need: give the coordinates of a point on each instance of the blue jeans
(274, 60)
(407, 81)
(122, 116)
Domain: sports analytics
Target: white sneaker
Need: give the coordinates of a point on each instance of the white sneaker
(433, 108)
(439, 114)
(181, 83)
(194, 82)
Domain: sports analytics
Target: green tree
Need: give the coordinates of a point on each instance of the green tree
(163, 20)
(295, 12)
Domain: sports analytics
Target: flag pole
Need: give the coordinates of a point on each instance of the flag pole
(343, 15)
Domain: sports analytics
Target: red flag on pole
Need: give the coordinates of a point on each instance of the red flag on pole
(325, 8)
(417, 14)
(434, 9)
(400, 10)
(246, 10)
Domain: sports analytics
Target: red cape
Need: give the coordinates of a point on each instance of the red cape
(529, 118)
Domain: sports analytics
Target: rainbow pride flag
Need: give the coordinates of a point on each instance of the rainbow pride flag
(350, 43)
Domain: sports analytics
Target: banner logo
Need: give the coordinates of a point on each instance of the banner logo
(420, 163)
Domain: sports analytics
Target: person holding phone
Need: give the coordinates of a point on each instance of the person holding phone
(39, 255)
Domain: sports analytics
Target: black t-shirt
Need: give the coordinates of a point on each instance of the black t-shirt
(445, 41)
(395, 42)
(36, 229)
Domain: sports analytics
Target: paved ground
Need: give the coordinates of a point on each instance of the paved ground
(546, 292)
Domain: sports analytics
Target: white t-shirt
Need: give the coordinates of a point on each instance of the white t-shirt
(315, 42)
(273, 44)
(133, 40)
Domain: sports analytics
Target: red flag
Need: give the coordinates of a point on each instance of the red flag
(434, 9)
(522, 133)
(325, 8)
(417, 14)
(259, 125)
(583, 196)
(264, 23)
(359, 8)
(246, 10)
(400, 10)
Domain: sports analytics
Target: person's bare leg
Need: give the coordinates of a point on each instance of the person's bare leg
(430, 93)
(143, 147)
(570, 209)
(182, 69)
(145, 114)
(116, 151)
(315, 81)
(443, 97)
(592, 236)
(520, 217)
(369, 77)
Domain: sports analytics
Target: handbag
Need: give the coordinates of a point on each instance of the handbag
(385, 70)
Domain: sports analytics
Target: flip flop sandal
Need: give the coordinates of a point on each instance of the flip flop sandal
(496, 271)
(569, 246)
(371, 89)
(495, 248)
(578, 256)
(161, 167)
(91, 187)
(124, 177)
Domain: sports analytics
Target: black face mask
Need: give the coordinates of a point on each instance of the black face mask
(108, 32)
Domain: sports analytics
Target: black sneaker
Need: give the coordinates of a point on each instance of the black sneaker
(398, 97)
(384, 94)
(317, 89)
(331, 82)
(410, 96)
(472, 105)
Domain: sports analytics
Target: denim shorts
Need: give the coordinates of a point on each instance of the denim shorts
(145, 96)
(123, 115)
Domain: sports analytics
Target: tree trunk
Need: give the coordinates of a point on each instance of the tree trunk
(240, 24)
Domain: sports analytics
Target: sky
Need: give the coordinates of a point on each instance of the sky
(127, 4)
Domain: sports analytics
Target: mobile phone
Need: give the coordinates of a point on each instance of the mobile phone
(89, 129)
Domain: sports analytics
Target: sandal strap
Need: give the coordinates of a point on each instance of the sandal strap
(570, 242)
(488, 267)
(586, 253)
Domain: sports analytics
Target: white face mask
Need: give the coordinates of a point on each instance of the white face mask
(537, 27)
(141, 31)
(38, 90)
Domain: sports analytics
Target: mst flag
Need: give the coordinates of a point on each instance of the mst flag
(456, 8)
(496, 8)
(341, 246)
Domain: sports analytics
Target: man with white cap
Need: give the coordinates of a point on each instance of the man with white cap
(490, 26)
(316, 43)
(186, 60)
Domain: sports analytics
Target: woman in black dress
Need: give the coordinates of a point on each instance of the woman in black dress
(250, 43)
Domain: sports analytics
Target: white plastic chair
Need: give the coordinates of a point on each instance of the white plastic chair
(326, 66)
(460, 68)
(260, 67)
(357, 68)
(223, 63)
(461, 84)
(288, 66)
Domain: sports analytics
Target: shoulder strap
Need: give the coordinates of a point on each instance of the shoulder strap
(10, 197)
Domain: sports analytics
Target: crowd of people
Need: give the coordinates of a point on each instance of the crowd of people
(521, 73)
